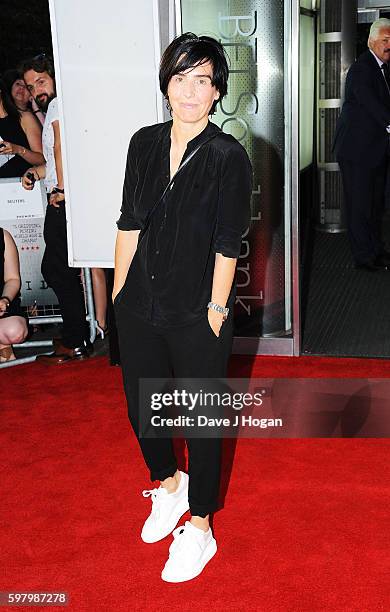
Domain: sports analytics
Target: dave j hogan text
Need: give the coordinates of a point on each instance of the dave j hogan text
(238, 420)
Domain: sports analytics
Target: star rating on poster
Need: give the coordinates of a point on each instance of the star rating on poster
(31, 248)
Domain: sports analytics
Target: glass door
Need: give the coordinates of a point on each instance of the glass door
(258, 111)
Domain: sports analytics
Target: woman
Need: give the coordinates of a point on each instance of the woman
(13, 328)
(21, 143)
(173, 288)
(20, 95)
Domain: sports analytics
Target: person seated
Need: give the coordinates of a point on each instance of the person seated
(13, 326)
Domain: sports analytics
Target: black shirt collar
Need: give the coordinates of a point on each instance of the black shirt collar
(208, 132)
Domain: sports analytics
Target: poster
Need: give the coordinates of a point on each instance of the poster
(22, 214)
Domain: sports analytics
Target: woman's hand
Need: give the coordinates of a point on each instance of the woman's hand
(56, 198)
(26, 182)
(215, 321)
(115, 292)
(34, 105)
(10, 148)
(3, 306)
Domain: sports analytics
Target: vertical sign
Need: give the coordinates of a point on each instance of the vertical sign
(252, 33)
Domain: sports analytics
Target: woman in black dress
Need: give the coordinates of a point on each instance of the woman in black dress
(20, 138)
(13, 328)
(174, 282)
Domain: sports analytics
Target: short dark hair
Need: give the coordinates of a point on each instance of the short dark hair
(8, 103)
(39, 63)
(195, 50)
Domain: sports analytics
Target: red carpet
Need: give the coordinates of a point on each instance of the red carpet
(305, 525)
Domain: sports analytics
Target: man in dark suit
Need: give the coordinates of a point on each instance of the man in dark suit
(362, 148)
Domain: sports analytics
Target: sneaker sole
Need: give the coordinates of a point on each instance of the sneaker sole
(171, 526)
(208, 554)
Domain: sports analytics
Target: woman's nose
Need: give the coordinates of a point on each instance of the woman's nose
(189, 89)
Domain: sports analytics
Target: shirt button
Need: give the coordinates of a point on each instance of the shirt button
(152, 277)
(157, 252)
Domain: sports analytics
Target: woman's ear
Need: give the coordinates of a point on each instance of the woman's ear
(167, 104)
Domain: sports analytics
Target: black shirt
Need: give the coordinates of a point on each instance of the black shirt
(205, 212)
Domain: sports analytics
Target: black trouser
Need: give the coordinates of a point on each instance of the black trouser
(193, 351)
(364, 191)
(64, 281)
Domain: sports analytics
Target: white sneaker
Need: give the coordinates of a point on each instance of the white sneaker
(191, 549)
(167, 509)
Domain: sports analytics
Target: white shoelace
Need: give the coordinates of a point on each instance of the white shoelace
(155, 494)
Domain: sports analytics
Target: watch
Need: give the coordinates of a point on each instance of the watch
(218, 308)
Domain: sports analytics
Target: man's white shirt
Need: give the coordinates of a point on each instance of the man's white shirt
(50, 180)
(380, 66)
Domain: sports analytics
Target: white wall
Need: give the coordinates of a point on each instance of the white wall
(106, 58)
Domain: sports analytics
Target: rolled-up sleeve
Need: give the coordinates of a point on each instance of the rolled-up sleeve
(234, 209)
(127, 220)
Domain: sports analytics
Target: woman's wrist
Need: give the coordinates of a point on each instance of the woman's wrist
(218, 307)
(22, 151)
(6, 299)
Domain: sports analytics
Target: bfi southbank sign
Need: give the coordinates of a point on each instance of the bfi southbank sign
(253, 112)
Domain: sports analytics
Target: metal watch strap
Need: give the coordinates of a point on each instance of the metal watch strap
(218, 308)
